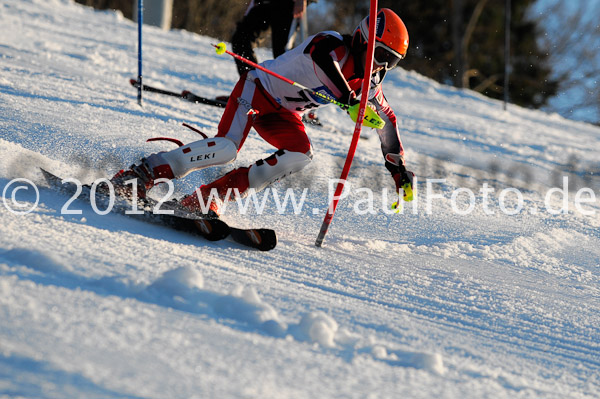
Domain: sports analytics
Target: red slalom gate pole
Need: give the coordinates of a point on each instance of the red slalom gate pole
(357, 128)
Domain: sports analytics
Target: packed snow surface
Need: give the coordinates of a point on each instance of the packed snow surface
(487, 285)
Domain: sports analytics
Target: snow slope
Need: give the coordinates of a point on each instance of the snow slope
(435, 302)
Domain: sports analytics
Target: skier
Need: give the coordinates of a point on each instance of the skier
(327, 62)
(259, 15)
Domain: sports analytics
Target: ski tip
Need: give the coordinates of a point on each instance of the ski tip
(268, 239)
(261, 239)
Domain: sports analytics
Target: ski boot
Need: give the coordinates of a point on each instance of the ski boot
(143, 177)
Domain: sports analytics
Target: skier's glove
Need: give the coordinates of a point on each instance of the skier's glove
(371, 118)
(349, 98)
(404, 181)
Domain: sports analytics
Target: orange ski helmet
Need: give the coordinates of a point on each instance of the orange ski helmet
(391, 38)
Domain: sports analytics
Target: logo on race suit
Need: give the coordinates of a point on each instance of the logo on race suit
(323, 90)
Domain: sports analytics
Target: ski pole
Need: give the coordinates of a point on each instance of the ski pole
(371, 118)
(140, 23)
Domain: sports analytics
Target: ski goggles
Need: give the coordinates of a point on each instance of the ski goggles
(386, 57)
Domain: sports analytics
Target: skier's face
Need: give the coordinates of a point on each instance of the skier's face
(376, 67)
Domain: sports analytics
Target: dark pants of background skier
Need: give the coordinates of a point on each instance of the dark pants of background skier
(278, 14)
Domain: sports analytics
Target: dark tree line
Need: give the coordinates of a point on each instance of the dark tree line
(574, 51)
(456, 42)
(461, 43)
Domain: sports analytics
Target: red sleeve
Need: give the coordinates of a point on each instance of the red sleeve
(327, 52)
(389, 135)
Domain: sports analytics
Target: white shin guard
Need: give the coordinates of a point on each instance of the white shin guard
(197, 155)
(277, 166)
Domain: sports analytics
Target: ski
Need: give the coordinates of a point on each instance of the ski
(220, 101)
(212, 229)
(186, 95)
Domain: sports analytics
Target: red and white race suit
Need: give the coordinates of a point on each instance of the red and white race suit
(324, 63)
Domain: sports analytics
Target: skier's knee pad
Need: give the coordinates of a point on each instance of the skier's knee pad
(276, 167)
(197, 155)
